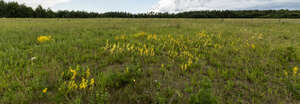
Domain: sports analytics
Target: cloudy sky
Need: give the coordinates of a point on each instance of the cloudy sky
(138, 6)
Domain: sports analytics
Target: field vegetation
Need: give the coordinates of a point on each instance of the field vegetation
(143, 61)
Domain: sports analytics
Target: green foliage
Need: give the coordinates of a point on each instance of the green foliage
(134, 61)
(294, 88)
(204, 95)
(286, 55)
(121, 79)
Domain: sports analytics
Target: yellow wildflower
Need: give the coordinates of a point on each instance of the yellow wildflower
(45, 90)
(113, 48)
(260, 36)
(88, 73)
(121, 37)
(286, 73)
(42, 39)
(83, 83)
(162, 66)
(74, 73)
(141, 34)
(72, 85)
(152, 36)
(253, 46)
(92, 82)
(152, 52)
(190, 62)
(295, 70)
(146, 52)
(184, 67)
(127, 69)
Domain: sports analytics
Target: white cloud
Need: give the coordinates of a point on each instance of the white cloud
(190, 5)
(44, 3)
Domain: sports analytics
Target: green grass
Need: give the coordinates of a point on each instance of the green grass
(197, 61)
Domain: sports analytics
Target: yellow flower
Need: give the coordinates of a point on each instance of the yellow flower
(127, 69)
(162, 66)
(83, 83)
(42, 39)
(286, 73)
(141, 34)
(295, 70)
(146, 52)
(190, 62)
(88, 73)
(152, 52)
(260, 36)
(73, 73)
(92, 81)
(45, 90)
(72, 85)
(253, 46)
(184, 67)
(113, 48)
(121, 37)
(152, 36)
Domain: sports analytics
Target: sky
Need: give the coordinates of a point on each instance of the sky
(142, 6)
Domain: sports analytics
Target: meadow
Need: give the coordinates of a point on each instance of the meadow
(149, 61)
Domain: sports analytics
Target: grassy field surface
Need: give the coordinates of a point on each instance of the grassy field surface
(150, 61)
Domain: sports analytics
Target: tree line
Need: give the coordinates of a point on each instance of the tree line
(15, 10)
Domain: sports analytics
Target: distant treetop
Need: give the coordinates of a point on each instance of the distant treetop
(15, 10)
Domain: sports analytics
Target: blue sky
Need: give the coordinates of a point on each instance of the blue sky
(108, 5)
(138, 6)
